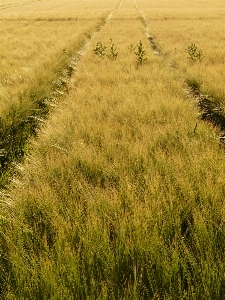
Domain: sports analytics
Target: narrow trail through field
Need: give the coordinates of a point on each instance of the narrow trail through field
(88, 44)
(125, 11)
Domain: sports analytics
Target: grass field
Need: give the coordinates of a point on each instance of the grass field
(121, 195)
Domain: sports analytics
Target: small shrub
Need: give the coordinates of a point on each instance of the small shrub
(100, 49)
(194, 53)
(140, 53)
(113, 53)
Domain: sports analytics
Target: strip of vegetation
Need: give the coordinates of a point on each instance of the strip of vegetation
(22, 120)
(210, 110)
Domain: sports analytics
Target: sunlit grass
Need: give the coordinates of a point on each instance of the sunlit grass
(54, 9)
(122, 194)
(28, 45)
(121, 198)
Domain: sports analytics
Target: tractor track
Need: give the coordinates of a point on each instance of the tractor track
(209, 111)
(13, 5)
(150, 37)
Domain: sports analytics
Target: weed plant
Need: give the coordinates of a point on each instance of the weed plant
(100, 49)
(140, 54)
(112, 52)
(173, 40)
(193, 53)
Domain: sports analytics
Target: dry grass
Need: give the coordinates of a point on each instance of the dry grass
(53, 9)
(119, 198)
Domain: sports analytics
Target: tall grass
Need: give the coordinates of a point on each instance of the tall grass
(121, 196)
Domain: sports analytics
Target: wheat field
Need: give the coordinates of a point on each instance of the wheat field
(120, 193)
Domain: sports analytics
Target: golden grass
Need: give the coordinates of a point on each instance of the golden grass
(27, 48)
(35, 55)
(120, 198)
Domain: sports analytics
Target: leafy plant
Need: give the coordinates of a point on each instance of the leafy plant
(140, 53)
(113, 53)
(194, 53)
(100, 49)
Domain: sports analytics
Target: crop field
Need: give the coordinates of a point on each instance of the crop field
(117, 190)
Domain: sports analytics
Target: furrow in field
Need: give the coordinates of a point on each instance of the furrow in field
(13, 5)
(209, 108)
(210, 111)
(85, 48)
